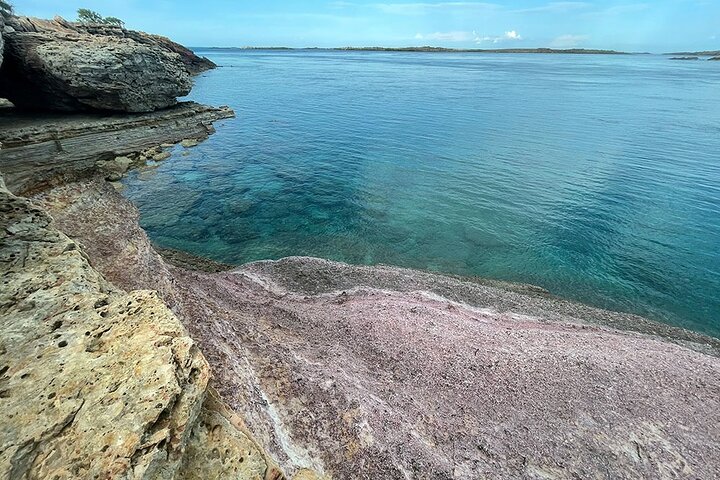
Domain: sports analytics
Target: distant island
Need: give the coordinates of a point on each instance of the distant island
(440, 50)
(704, 53)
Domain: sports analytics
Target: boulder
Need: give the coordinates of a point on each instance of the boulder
(193, 63)
(74, 72)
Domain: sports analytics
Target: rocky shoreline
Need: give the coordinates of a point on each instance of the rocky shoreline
(382, 372)
(119, 361)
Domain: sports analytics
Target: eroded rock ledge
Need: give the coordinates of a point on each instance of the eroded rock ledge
(385, 373)
(37, 150)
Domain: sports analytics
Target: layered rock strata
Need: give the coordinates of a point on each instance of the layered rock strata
(381, 372)
(56, 65)
(42, 149)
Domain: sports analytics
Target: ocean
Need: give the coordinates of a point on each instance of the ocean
(596, 177)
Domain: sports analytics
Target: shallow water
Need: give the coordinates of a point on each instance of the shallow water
(596, 177)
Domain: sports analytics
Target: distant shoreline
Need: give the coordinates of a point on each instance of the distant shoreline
(574, 51)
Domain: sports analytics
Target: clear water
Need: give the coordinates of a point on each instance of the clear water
(596, 177)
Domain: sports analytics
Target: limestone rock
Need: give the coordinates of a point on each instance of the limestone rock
(74, 71)
(95, 383)
(380, 372)
(115, 168)
(193, 63)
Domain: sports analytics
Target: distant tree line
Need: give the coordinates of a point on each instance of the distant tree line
(91, 17)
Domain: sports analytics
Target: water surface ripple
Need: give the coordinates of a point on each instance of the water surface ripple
(596, 177)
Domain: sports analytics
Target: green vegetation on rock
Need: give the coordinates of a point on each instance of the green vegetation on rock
(91, 17)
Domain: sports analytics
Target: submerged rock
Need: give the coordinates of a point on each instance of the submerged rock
(189, 143)
(59, 65)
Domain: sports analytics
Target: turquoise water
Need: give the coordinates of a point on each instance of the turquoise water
(596, 177)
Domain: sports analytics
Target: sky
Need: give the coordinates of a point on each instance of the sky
(630, 25)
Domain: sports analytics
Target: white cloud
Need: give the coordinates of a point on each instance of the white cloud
(457, 36)
(568, 41)
(511, 35)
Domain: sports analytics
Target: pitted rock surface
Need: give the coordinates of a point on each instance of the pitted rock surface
(96, 382)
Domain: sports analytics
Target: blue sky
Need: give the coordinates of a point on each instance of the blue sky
(656, 25)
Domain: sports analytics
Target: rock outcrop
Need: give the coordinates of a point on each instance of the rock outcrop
(58, 65)
(39, 150)
(381, 372)
(99, 383)
(193, 63)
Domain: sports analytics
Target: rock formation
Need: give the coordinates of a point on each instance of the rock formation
(57, 65)
(336, 371)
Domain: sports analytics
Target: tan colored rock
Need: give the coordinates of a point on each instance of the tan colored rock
(386, 373)
(95, 383)
(161, 156)
(98, 383)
